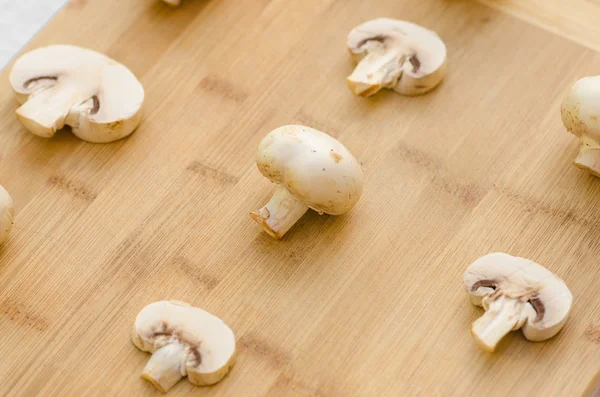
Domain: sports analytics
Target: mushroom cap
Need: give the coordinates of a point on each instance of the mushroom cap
(316, 168)
(164, 322)
(410, 58)
(521, 278)
(63, 84)
(7, 213)
(580, 109)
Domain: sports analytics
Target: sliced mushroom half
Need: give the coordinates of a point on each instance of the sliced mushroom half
(184, 341)
(516, 293)
(395, 54)
(63, 85)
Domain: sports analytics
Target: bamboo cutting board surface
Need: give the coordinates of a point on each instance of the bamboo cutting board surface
(575, 19)
(367, 304)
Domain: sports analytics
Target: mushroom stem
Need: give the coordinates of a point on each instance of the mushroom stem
(502, 315)
(280, 213)
(45, 112)
(589, 156)
(373, 73)
(164, 369)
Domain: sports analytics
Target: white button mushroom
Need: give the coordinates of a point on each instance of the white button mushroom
(184, 340)
(580, 112)
(63, 85)
(395, 54)
(312, 170)
(7, 214)
(515, 293)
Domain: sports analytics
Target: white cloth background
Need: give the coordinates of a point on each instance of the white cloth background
(20, 20)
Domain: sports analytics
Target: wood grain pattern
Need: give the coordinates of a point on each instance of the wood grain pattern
(574, 19)
(367, 304)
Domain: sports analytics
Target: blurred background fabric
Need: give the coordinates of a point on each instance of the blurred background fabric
(20, 20)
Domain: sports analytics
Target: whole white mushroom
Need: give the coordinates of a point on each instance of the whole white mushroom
(580, 113)
(311, 170)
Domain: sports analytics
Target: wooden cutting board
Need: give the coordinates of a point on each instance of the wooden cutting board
(367, 304)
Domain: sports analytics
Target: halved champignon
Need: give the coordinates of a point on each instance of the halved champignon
(184, 341)
(580, 113)
(63, 85)
(7, 214)
(311, 170)
(395, 54)
(515, 293)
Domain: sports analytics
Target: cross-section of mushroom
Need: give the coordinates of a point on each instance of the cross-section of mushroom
(515, 293)
(184, 340)
(395, 54)
(63, 85)
(7, 213)
(580, 112)
(311, 170)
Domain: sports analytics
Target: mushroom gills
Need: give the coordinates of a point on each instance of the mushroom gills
(503, 314)
(280, 213)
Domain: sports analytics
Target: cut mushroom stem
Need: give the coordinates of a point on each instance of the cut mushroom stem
(502, 315)
(374, 73)
(165, 368)
(589, 156)
(280, 213)
(45, 113)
